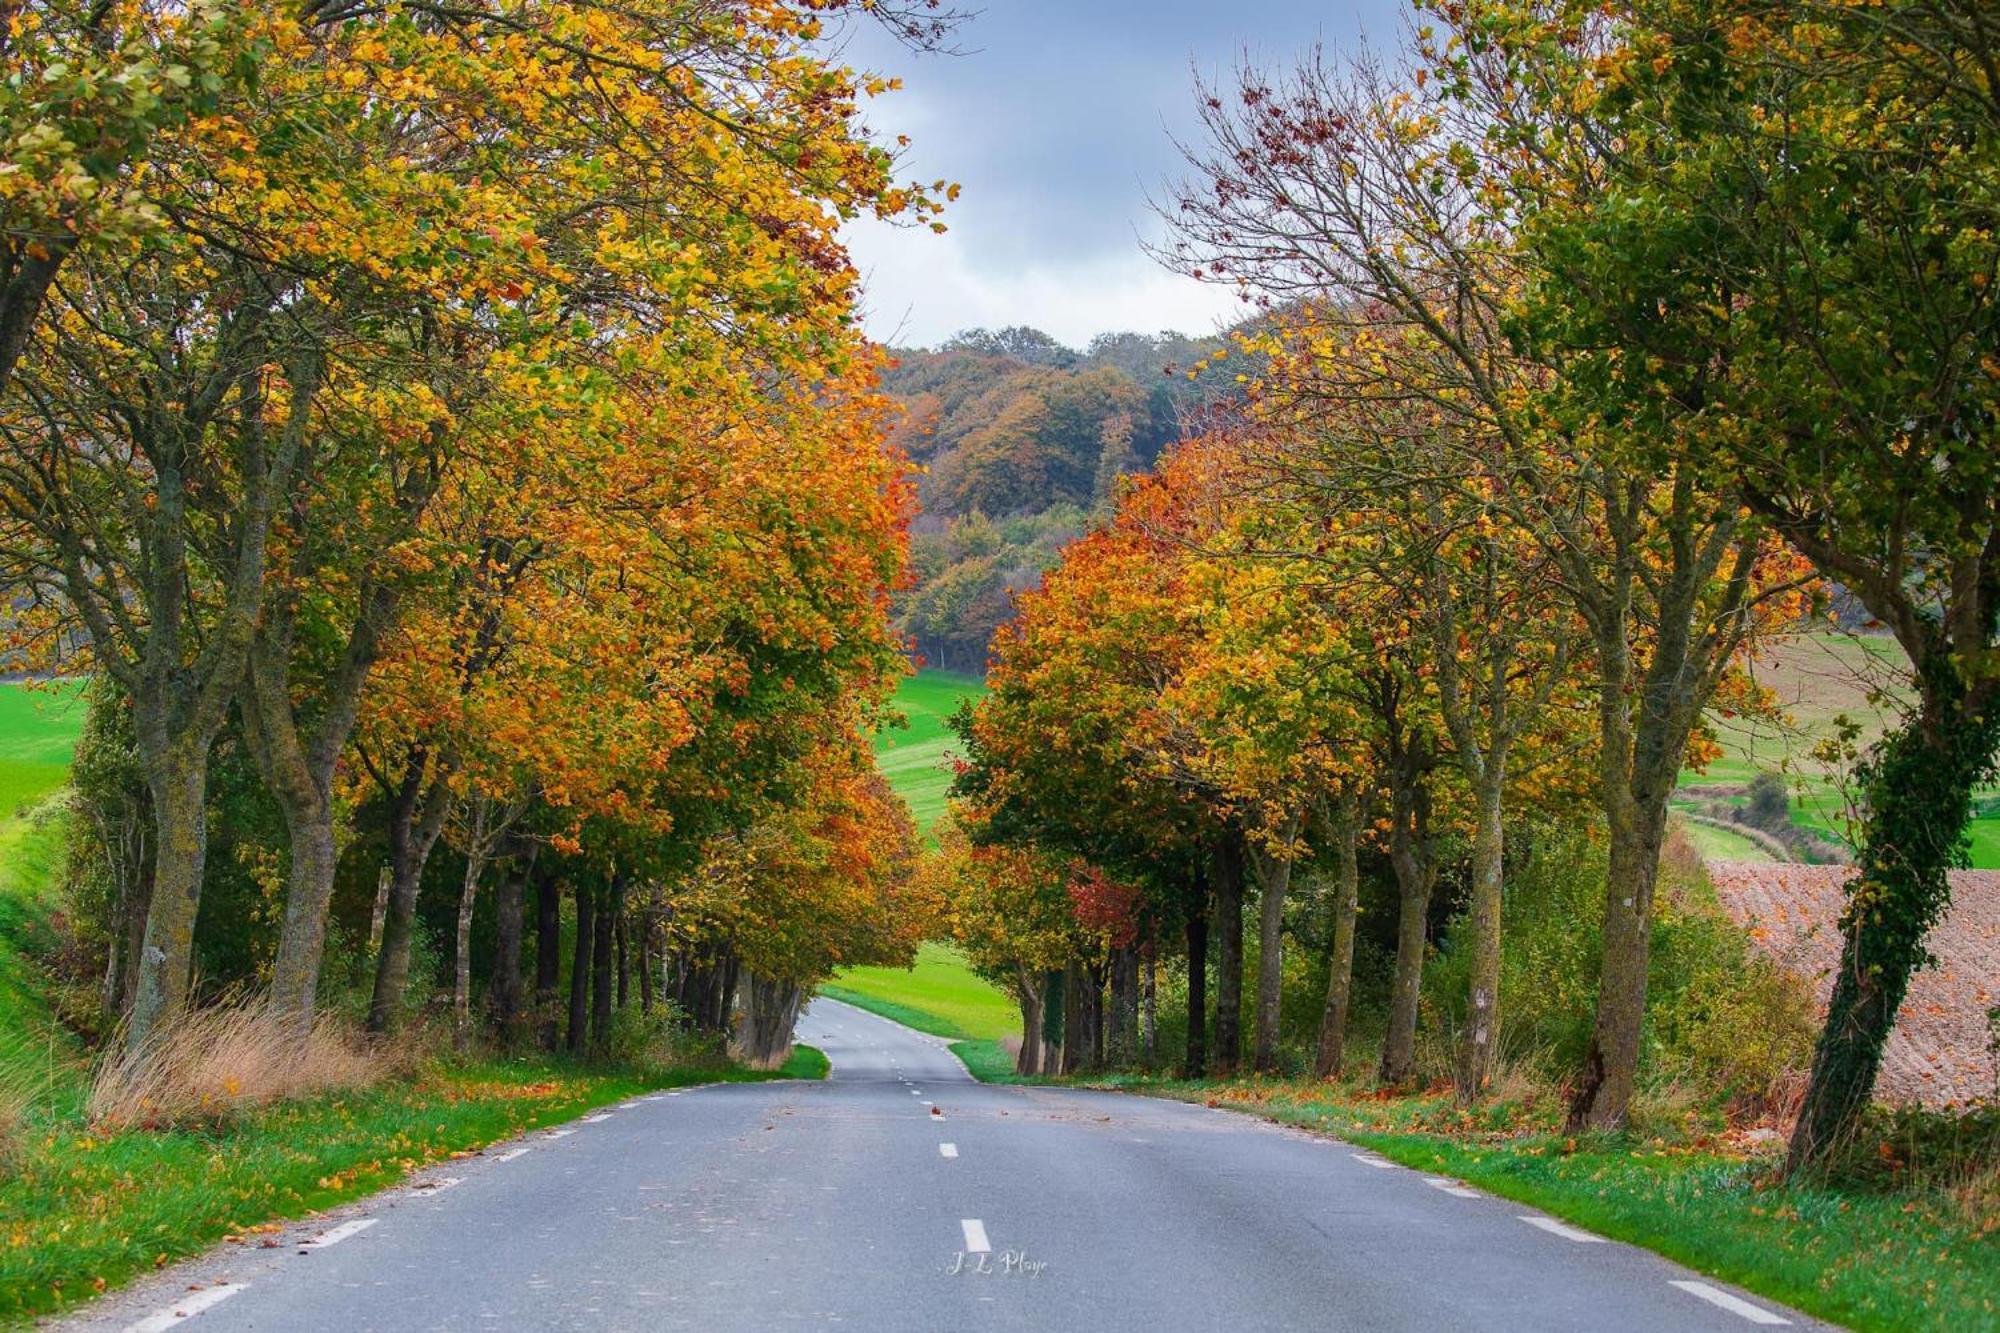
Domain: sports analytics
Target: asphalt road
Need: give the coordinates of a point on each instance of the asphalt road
(901, 1194)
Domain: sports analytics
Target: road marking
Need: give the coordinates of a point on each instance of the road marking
(438, 1186)
(947, 1150)
(561, 1133)
(1452, 1187)
(510, 1156)
(1555, 1228)
(596, 1119)
(190, 1305)
(975, 1236)
(1366, 1160)
(339, 1234)
(1734, 1304)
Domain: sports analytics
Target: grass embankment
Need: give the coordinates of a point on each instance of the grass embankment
(83, 1210)
(1870, 1260)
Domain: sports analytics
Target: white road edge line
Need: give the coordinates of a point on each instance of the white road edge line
(1734, 1304)
(190, 1305)
(340, 1233)
(975, 1236)
(440, 1185)
(947, 1150)
(511, 1155)
(1555, 1228)
(561, 1133)
(1366, 1160)
(1451, 1187)
(597, 1119)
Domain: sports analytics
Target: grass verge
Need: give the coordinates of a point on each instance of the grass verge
(807, 1062)
(1866, 1260)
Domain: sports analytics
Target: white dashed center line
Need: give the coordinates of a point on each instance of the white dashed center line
(1555, 1228)
(340, 1233)
(1734, 1304)
(975, 1236)
(947, 1150)
(187, 1307)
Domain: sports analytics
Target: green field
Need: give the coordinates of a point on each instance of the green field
(940, 994)
(914, 757)
(1818, 679)
(38, 729)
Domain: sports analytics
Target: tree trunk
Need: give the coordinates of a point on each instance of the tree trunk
(506, 997)
(767, 1013)
(1052, 1021)
(1028, 995)
(468, 897)
(579, 970)
(548, 953)
(1228, 880)
(645, 964)
(1478, 1047)
(417, 809)
(1919, 782)
(1611, 1066)
(1196, 1063)
(179, 783)
(380, 915)
(1121, 1037)
(1274, 878)
(1149, 1012)
(1080, 1036)
(601, 969)
(1332, 1052)
(1097, 1015)
(624, 960)
(1416, 875)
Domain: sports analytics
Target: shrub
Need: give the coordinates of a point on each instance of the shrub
(210, 1066)
(1725, 1028)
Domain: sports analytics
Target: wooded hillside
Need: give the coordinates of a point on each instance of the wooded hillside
(1022, 439)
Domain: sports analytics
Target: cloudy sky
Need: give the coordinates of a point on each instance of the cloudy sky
(1057, 118)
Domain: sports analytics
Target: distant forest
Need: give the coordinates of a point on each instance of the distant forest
(1023, 441)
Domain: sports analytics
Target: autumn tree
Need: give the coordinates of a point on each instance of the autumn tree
(1361, 202)
(1783, 253)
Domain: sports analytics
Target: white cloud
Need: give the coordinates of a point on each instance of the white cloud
(921, 288)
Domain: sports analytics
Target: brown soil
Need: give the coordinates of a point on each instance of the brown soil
(1940, 1053)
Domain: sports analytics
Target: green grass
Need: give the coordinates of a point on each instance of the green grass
(1866, 1260)
(939, 995)
(806, 1062)
(1719, 844)
(39, 725)
(914, 757)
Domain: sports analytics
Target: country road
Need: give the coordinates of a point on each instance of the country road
(900, 1194)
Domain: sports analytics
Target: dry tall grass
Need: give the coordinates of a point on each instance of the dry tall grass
(212, 1065)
